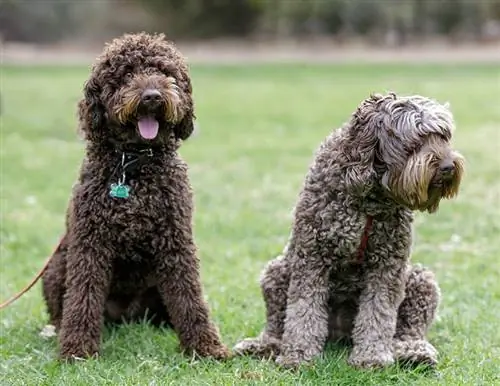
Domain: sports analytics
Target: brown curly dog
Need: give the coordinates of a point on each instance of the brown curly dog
(346, 269)
(128, 251)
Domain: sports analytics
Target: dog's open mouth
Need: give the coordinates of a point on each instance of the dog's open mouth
(148, 127)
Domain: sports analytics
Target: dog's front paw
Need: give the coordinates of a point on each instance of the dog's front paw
(247, 346)
(219, 352)
(416, 352)
(74, 354)
(289, 362)
(81, 348)
(261, 347)
(293, 359)
(216, 351)
(205, 343)
(370, 359)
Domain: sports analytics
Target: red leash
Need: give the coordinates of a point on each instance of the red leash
(33, 281)
(364, 239)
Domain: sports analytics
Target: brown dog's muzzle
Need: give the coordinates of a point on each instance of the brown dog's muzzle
(151, 99)
(151, 103)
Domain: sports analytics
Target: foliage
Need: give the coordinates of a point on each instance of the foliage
(47, 21)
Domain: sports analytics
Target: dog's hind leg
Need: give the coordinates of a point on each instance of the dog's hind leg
(415, 315)
(53, 284)
(274, 283)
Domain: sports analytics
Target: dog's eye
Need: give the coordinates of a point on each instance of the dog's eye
(128, 76)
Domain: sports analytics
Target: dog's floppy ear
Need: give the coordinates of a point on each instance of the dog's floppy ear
(91, 110)
(185, 127)
(361, 146)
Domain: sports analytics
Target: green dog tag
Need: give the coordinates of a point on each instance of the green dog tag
(119, 191)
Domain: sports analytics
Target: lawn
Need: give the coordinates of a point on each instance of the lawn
(258, 128)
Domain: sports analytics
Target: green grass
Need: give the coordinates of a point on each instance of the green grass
(259, 126)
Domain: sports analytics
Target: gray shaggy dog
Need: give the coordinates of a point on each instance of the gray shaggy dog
(345, 271)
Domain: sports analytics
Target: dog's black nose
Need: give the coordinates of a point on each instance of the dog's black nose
(151, 96)
(447, 168)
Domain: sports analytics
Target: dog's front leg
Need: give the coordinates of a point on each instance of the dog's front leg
(179, 284)
(375, 323)
(87, 281)
(306, 323)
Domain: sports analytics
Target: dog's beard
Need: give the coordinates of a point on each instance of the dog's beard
(127, 109)
(419, 186)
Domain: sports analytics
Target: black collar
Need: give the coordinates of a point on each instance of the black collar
(130, 158)
(134, 148)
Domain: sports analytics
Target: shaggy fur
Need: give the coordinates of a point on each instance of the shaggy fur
(131, 258)
(393, 157)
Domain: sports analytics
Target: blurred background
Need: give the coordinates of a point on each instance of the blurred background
(218, 28)
(259, 124)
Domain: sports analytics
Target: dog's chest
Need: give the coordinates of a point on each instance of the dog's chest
(373, 248)
(358, 239)
(343, 235)
(140, 216)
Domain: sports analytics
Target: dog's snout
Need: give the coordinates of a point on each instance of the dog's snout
(447, 168)
(151, 96)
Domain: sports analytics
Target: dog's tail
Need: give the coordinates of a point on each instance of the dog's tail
(32, 283)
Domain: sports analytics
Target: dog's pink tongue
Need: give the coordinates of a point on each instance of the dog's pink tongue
(148, 127)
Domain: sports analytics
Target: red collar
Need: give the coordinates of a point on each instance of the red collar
(364, 239)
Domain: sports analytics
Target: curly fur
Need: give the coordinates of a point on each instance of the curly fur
(134, 258)
(393, 157)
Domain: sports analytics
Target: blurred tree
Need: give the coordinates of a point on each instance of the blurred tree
(447, 14)
(363, 17)
(378, 21)
(331, 13)
(204, 18)
(35, 21)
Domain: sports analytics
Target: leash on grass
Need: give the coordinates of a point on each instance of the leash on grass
(32, 283)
